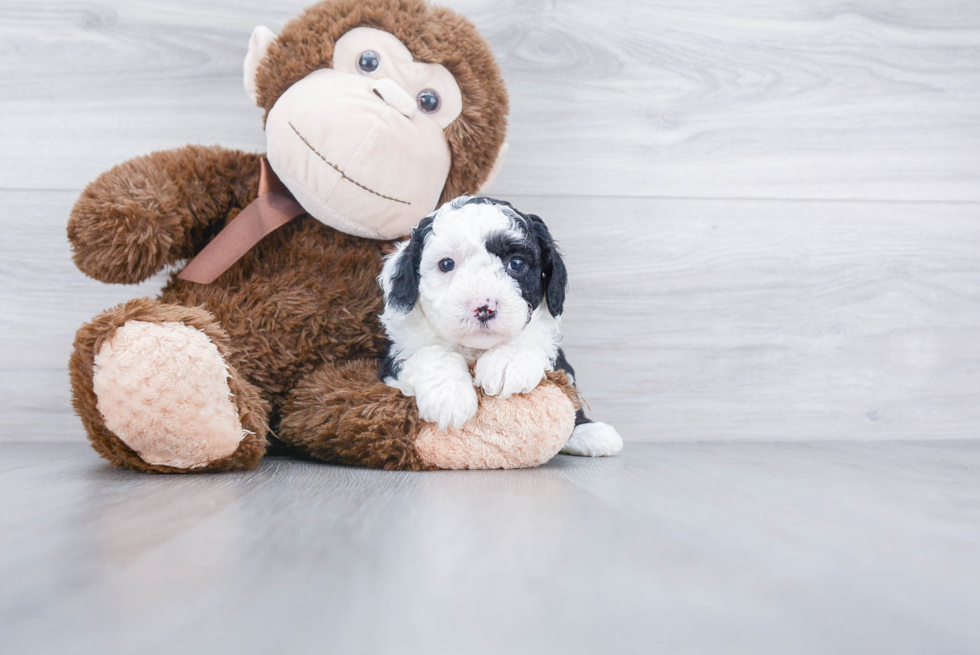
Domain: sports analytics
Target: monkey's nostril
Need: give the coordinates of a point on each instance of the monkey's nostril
(395, 96)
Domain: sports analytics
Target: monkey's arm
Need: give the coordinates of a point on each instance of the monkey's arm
(154, 210)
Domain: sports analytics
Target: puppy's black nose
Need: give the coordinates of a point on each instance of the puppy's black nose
(484, 313)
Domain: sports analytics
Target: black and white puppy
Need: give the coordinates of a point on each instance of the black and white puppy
(478, 282)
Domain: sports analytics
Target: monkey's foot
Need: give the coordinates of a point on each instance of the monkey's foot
(517, 432)
(162, 388)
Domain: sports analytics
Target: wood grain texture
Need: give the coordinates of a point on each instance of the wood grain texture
(825, 99)
(686, 319)
(693, 319)
(696, 548)
(728, 315)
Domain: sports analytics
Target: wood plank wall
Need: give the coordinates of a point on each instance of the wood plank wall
(771, 210)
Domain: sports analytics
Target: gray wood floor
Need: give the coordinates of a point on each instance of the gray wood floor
(672, 548)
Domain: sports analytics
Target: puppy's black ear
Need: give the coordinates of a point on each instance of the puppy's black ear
(403, 282)
(552, 266)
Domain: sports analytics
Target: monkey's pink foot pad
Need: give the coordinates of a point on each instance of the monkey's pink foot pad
(163, 389)
(517, 432)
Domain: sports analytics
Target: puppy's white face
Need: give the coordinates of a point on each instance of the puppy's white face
(465, 290)
(475, 270)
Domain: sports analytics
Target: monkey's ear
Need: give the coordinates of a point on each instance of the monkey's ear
(496, 166)
(262, 37)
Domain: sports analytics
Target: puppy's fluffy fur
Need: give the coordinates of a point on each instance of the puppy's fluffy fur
(479, 286)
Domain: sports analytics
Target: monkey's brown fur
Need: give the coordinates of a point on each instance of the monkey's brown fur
(253, 409)
(296, 318)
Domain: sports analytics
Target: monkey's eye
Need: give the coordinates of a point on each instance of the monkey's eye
(517, 265)
(447, 265)
(368, 62)
(428, 101)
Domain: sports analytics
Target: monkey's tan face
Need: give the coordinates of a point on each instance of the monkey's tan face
(361, 145)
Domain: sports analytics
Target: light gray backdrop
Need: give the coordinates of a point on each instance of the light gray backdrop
(770, 209)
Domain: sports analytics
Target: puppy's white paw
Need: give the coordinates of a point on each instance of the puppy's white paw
(504, 372)
(594, 440)
(448, 402)
(448, 410)
(442, 385)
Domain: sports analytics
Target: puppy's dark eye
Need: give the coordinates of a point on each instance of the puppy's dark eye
(517, 265)
(447, 265)
(428, 101)
(368, 62)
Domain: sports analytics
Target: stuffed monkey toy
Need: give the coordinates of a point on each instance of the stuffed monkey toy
(376, 112)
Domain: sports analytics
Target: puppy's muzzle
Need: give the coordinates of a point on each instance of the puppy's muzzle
(484, 311)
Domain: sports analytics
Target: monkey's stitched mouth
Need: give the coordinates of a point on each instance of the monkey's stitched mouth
(342, 173)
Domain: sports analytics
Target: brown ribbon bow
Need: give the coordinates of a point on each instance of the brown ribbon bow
(274, 207)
